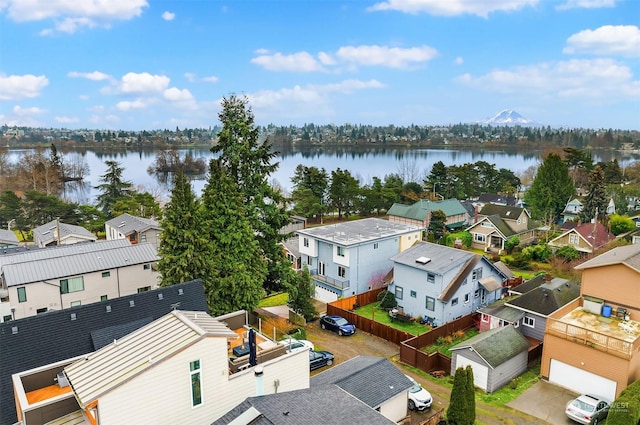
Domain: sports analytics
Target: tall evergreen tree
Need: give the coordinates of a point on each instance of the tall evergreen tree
(458, 401)
(309, 191)
(239, 269)
(112, 188)
(595, 203)
(343, 191)
(551, 188)
(301, 295)
(471, 395)
(184, 243)
(248, 161)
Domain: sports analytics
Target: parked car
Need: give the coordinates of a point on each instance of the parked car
(292, 344)
(337, 324)
(419, 398)
(588, 409)
(318, 359)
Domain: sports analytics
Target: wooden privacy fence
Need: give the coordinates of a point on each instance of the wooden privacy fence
(410, 345)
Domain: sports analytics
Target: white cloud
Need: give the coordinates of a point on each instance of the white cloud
(34, 110)
(67, 120)
(20, 116)
(176, 95)
(210, 79)
(459, 60)
(296, 62)
(93, 76)
(69, 16)
(190, 76)
(393, 57)
(586, 4)
(84, 97)
(326, 59)
(143, 83)
(452, 7)
(168, 16)
(607, 40)
(127, 105)
(15, 87)
(597, 80)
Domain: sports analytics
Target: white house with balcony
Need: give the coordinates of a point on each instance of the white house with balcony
(35, 281)
(353, 257)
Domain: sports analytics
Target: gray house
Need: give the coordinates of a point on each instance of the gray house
(58, 233)
(8, 239)
(496, 356)
(134, 229)
(352, 257)
(442, 283)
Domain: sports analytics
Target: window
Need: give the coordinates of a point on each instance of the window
(399, 292)
(103, 298)
(467, 297)
(144, 289)
(430, 304)
(132, 237)
(476, 293)
(22, 295)
(486, 224)
(431, 277)
(529, 321)
(321, 269)
(476, 274)
(70, 285)
(305, 242)
(413, 294)
(454, 301)
(375, 245)
(309, 260)
(7, 318)
(75, 303)
(143, 237)
(479, 237)
(41, 310)
(485, 317)
(196, 384)
(340, 251)
(342, 272)
(146, 266)
(106, 274)
(573, 239)
(290, 257)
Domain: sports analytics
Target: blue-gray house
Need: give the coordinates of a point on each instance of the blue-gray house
(353, 257)
(442, 283)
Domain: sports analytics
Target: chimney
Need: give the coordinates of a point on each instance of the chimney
(475, 214)
(258, 372)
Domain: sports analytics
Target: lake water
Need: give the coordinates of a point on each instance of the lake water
(364, 164)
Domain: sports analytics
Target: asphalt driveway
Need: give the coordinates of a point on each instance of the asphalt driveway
(545, 401)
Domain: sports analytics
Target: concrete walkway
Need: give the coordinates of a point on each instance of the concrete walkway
(545, 401)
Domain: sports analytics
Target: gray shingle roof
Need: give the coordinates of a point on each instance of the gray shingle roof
(372, 380)
(91, 257)
(322, 405)
(505, 212)
(358, 231)
(8, 237)
(548, 297)
(496, 346)
(628, 255)
(529, 285)
(420, 209)
(47, 232)
(501, 311)
(52, 337)
(443, 258)
(127, 223)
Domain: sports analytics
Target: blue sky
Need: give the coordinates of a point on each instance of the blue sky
(146, 64)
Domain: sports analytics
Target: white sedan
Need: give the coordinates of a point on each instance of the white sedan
(293, 344)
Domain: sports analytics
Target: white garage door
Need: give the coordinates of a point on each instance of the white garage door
(581, 381)
(480, 372)
(325, 295)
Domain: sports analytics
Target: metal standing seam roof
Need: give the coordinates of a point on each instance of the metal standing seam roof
(78, 263)
(109, 367)
(46, 232)
(358, 231)
(28, 255)
(127, 223)
(628, 255)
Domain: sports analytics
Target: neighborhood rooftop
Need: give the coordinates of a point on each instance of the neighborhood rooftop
(77, 260)
(628, 255)
(432, 257)
(53, 230)
(497, 345)
(358, 231)
(127, 223)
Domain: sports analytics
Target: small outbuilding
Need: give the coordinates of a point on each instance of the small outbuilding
(496, 356)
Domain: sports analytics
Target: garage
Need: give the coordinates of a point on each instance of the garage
(480, 372)
(325, 295)
(581, 381)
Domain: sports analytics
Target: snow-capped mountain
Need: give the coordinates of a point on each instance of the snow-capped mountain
(509, 117)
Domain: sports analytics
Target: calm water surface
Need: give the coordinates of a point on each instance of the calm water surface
(412, 164)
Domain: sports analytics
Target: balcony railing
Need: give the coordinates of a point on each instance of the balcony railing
(338, 284)
(593, 339)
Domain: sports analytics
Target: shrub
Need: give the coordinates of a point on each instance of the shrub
(625, 410)
(458, 334)
(298, 333)
(568, 253)
(513, 384)
(461, 410)
(387, 300)
(440, 340)
(464, 236)
(448, 339)
(621, 224)
(511, 243)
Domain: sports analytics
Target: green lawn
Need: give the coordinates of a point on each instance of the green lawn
(445, 343)
(274, 300)
(513, 389)
(382, 316)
